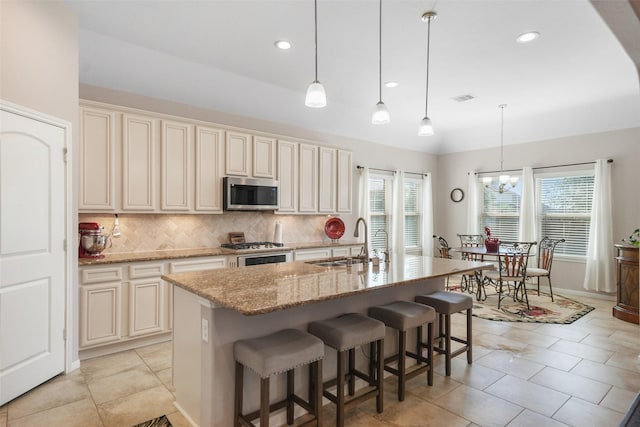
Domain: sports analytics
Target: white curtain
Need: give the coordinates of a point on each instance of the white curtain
(397, 214)
(599, 274)
(363, 196)
(527, 228)
(427, 216)
(474, 194)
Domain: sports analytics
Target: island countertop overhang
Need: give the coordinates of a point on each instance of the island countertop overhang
(272, 287)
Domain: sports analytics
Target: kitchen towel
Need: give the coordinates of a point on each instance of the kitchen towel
(277, 233)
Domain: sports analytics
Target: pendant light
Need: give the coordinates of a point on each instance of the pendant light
(426, 127)
(316, 97)
(503, 179)
(380, 114)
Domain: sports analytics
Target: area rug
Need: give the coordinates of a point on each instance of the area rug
(162, 421)
(562, 310)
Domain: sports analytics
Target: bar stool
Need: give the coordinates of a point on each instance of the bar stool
(448, 303)
(344, 334)
(401, 316)
(273, 354)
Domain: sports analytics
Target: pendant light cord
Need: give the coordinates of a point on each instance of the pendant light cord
(426, 102)
(315, 16)
(380, 57)
(501, 135)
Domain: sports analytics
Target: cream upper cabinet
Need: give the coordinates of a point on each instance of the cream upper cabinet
(264, 157)
(344, 185)
(138, 163)
(237, 153)
(97, 159)
(176, 166)
(288, 175)
(327, 180)
(208, 173)
(308, 178)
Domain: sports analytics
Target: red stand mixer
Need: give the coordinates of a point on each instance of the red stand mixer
(92, 241)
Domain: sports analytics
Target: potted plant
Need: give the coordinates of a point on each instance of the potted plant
(634, 239)
(491, 243)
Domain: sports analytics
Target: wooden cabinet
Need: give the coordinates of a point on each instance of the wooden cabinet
(327, 178)
(344, 186)
(288, 176)
(97, 160)
(264, 157)
(627, 302)
(237, 154)
(125, 305)
(308, 178)
(176, 170)
(138, 163)
(208, 171)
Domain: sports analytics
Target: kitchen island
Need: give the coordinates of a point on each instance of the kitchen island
(213, 309)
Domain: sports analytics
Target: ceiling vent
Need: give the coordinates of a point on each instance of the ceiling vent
(463, 98)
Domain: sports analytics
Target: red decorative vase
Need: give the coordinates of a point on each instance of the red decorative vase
(491, 244)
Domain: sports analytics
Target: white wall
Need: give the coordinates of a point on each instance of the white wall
(39, 57)
(622, 146)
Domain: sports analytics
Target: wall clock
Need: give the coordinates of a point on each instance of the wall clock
(457, 195)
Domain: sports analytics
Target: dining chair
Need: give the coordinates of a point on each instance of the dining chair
(468, 280)
(512, 270)
(445, 251)
(546, 249)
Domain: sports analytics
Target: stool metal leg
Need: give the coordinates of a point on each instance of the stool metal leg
(447, 343)
(238, 394)
(469, 347)
(264, 401)
(290, 391)
(402, 355)
(429, 352)
(380, 377)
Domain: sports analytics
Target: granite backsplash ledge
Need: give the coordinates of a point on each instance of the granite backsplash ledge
(153, 232)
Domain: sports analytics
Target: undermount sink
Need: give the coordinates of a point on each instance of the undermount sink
(336, 262)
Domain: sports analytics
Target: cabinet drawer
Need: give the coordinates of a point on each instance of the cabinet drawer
(139, 271)
(99, 275)
(308, 254)
(197, 264)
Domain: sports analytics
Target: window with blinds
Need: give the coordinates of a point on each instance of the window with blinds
(501, 211)
(380, 199)
(564, 210)
(413, 215)
(380, 212)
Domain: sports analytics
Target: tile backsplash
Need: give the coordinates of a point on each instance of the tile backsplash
(153, 232)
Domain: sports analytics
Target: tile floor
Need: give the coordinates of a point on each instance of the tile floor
(524, 374)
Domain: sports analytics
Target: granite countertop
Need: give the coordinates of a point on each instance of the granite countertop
(112, 258)
(271, 287)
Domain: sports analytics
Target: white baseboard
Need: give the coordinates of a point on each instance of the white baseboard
(104, 350)
(184, 414)
(606, 297)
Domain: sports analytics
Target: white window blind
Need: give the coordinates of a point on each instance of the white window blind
(413, 215)
(380, 197)
(564, 210)
(501, 211)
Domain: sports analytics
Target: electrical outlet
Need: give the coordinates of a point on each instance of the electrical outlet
(205, 330)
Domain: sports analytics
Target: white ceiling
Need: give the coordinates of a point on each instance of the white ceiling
(575, 79)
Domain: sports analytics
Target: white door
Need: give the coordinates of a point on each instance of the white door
(32, 255)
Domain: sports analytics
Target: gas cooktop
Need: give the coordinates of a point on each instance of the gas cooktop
(252, 245)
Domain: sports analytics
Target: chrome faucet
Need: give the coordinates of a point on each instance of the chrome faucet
(365, 248)
(387, 256)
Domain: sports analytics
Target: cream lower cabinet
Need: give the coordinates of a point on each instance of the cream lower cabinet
(126, 305)
(326, 252)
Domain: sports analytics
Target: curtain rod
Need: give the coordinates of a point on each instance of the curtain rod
(544, 167)
(388, 170)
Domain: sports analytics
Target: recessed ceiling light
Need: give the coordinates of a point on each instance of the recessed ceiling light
(282, 44)
(391, 84)
(528, 37)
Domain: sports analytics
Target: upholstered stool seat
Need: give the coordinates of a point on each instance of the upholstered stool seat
(401, 316)
(447, 303)
(273, 354)
(344, 334)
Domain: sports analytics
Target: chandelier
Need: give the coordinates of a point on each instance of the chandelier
(503, 179)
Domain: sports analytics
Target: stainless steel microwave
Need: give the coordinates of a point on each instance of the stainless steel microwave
(250, 194)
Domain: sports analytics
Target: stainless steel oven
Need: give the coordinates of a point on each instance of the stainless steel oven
(263, 258)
